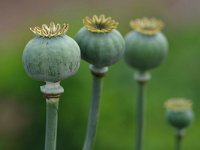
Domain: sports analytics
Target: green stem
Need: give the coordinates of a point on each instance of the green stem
(140, 116)
(52, 92)
(93, 114)
(51, 124)
(179, 136)
(141, 78)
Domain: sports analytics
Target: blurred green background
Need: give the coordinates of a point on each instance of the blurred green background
(22, 106)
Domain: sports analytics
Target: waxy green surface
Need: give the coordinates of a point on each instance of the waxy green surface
(180, 119)
(144, 52)
(100, 49)
(51, 59)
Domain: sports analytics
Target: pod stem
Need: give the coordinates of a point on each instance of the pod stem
(179, 137)
(97, 73)
(51, 125)
(52, 93)
(141, 78)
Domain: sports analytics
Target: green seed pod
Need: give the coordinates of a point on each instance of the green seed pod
(51, 56)
(179, 113)
(146, 46)
(100, 43)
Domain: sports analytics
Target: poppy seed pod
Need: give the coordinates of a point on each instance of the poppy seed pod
(146, 46)
(51, 56)
(179, 113)
(100, 43)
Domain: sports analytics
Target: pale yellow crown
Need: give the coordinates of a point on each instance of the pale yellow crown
(52, 30)
(178, 104)
(147, 26)
(100, 24)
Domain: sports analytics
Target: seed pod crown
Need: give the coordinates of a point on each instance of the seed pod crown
(147, 26)
(52, 30)
(100, 24)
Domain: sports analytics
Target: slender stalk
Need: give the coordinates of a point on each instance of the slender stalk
(140, 116)
(141, 78)
(98, 73)
(178, 143)
(51, 124)
(179, 137)
(52, 92)
(93, 114)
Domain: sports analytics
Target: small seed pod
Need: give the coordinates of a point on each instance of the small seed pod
(146, 46)
(100, 43)
(51, 56)
(179, 112)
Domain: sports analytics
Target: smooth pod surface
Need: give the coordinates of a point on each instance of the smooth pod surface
(51, 59)
(100, 49)
(144, 52)
(180, 119)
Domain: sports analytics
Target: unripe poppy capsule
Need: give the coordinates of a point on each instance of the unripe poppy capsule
(146, 46)
(179, 113)
(51, 56)
(100, 43)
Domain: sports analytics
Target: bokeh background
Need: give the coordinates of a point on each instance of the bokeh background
(22, 106)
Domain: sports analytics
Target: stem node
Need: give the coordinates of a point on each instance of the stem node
(99, 72)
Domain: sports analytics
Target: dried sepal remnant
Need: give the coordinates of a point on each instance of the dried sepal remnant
(52, 30)
(100, 24)
(147, 26)
(178, 104)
